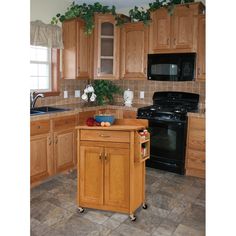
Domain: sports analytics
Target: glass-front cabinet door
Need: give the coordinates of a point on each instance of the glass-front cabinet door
(106, 47)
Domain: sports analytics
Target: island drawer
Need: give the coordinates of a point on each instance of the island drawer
(104, 135)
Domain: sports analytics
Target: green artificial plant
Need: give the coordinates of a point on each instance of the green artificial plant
(105, 89)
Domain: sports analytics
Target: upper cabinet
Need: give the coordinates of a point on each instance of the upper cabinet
(106, 47)
(177, 32)
(134, 48)
(77, 52)
(201, 72)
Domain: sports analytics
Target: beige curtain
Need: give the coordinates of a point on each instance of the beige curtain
(45, 35)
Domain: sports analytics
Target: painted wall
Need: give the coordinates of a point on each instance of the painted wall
(44, 10)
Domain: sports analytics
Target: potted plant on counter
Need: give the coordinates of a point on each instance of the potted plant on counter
(105, 90)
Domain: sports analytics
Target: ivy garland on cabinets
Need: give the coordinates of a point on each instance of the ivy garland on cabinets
(86, 12)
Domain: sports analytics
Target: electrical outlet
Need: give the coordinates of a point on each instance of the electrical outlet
(77, 93)
(65, 94)
(141, 95)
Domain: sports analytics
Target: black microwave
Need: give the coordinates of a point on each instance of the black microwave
(171, 67)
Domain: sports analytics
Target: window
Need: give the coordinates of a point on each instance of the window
(40, 63)
(44, 66)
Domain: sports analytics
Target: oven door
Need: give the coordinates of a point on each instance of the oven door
(167, 145)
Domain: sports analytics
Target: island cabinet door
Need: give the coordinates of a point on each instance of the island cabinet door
(116, 161)
(91, 175)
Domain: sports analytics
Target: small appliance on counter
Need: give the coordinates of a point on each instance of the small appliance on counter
(128, 97)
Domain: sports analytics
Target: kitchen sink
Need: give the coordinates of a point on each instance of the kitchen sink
(45, 110)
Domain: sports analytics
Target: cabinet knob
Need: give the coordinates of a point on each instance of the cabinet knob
(104, 136)
(105, 156)
(98, 70)
(49, 141)
(100, 156)
(56, 140)
(145, 70)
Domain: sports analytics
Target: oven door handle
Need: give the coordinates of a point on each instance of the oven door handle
(164, 121)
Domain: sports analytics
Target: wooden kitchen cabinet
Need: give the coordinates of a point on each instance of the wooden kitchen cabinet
(41, 151)
(175, 33)
(64, 137)
(195, 151)
(52, 147)
(106, 47)
(134, 49)
(77, 54)
(201, 68)
(109, 178)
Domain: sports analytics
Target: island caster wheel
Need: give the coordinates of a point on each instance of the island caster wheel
(80, 209)
(132, 217)
(145, 206)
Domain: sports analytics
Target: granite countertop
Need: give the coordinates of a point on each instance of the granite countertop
(76, 108)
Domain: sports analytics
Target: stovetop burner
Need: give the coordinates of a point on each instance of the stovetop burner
(170, 106)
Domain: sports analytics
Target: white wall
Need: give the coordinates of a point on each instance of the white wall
(44, 10)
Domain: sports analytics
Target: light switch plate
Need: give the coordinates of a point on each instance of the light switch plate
(65, 94)
(141, 95)
(77, 93)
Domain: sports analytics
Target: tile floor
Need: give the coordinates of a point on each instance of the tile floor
(176, 206)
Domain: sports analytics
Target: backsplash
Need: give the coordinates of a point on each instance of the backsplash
(149, 87)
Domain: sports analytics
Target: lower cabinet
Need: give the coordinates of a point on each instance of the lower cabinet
(104, 173)
(64, 150)
(52, 147)
(195, 152)
(41, 162)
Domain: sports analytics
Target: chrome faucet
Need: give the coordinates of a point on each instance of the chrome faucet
(34, 98)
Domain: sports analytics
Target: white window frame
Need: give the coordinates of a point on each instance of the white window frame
(49, 63)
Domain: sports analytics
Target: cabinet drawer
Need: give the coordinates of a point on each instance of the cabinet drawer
(196, 139)
(129, 114)
(64, 123)
(196, 159)
(197, 123)
(104, 135)
(39, 127)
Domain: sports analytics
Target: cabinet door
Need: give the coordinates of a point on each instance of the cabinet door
(184, 28)
(64, 150)
(84, 52)
(76, 54)
(69, 60)
(201, 72)
(160, 30)
(116, 177)
(41, 162)
(106, 47)
(90, 175)
(134, 44)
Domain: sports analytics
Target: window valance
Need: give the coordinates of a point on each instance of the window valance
(45, 35)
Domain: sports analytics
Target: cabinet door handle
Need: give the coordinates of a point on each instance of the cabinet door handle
(198, 71)
(98, 70)
(49, 141)
(78, 70)
(104, 135)
(56, 140)
(174, 41)
(105, 156)
(145, 70)
(100, 156)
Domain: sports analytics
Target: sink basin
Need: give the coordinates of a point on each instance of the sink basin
(45, 110)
